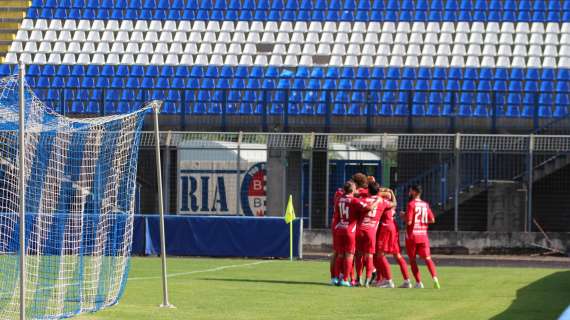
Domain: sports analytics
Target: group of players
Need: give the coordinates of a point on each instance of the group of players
(364, 232)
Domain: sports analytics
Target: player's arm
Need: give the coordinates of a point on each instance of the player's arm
(364, 207)
(431, 217)
(391, 200)
(408, 216)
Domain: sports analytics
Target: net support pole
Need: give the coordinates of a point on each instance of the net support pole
(22, 193)
(530, 178)
(165, 302)
(457, 182)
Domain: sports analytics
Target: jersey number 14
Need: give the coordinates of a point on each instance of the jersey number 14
(344, 211)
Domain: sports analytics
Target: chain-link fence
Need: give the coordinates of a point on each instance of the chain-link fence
(473, 182)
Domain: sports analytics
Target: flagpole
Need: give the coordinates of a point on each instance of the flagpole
(291, 240)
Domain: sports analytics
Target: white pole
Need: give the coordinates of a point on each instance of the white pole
(165, 302)
(22, 195)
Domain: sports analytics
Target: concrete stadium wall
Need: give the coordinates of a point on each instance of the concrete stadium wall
(464, 242)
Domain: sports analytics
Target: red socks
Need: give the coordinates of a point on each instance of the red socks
(347, 267)
(403, 267)
(338, 266)
(359, 266)
(386, 267)
(415, 270)
(369, 266)
(431, 267)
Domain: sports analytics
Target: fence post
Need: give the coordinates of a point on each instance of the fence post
(286, 111)
(457, 181)
(312, 146)
(530, 179)
(238, 173)
(385, 178)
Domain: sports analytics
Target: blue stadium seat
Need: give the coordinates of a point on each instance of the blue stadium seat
(513, 105)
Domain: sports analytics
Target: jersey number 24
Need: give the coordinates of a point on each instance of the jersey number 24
(421, 215)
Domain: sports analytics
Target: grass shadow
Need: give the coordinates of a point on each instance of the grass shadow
(311, 283)
(547, 296)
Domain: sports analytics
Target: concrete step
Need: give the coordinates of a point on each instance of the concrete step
(12, 15)
(14, 24)
(7, 35)
(16, 3)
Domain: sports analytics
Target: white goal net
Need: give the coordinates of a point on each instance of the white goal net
(80, 177)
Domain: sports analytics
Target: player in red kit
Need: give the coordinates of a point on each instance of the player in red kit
(348, 209)
(333, 265)
(418, 216)
(388, 242)
(366, 231)
(361, 181)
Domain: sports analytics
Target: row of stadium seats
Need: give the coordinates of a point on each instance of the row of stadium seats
(308, 49)
(295, 102)
(293, 10)
(345, 91)
(298, 27)
(435, 35)
(561, 75)
(288, 60)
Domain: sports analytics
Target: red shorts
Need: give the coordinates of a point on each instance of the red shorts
(346, 242)
(365, 241)
(388, 241)
(421, 249)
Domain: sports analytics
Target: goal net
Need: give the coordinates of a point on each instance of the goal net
(80, 177)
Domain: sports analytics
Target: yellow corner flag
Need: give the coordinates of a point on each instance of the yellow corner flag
(289, 217)
(290, 211)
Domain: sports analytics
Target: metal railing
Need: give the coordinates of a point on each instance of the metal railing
(461, 173)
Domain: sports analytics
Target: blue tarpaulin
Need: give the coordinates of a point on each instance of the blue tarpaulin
(215, 236)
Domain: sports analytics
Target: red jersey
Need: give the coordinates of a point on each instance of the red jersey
(388, 216)
(362, 192)
(369, 221)
(419, 213)
(348, 210)
(339, 193)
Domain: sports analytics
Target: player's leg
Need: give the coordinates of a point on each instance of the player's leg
(347, 268)
(349, 244)
(411, 249)
(425, 254)
(403, 269)
(379, 268)
(334, 268)
(388, 282)
(369, 268)
(359, 264)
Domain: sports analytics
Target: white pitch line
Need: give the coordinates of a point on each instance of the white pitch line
(172, 275)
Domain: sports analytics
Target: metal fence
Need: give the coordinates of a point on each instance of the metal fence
(473, 182)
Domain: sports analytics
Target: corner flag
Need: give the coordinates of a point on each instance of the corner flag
(290, 211)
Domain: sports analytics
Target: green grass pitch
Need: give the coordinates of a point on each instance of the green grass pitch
(279, 289)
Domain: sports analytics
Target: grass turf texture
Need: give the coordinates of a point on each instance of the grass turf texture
(275, 289)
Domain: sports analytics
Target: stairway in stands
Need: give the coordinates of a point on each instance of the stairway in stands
(12, 12)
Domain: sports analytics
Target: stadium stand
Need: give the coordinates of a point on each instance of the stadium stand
(466, 59)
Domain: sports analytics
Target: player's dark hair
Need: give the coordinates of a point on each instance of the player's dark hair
(373, 189)
(360, 179)
(348, 187)
(416, 188)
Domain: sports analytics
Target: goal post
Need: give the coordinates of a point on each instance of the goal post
(160, 195)
(21, 187)
(67, 205)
